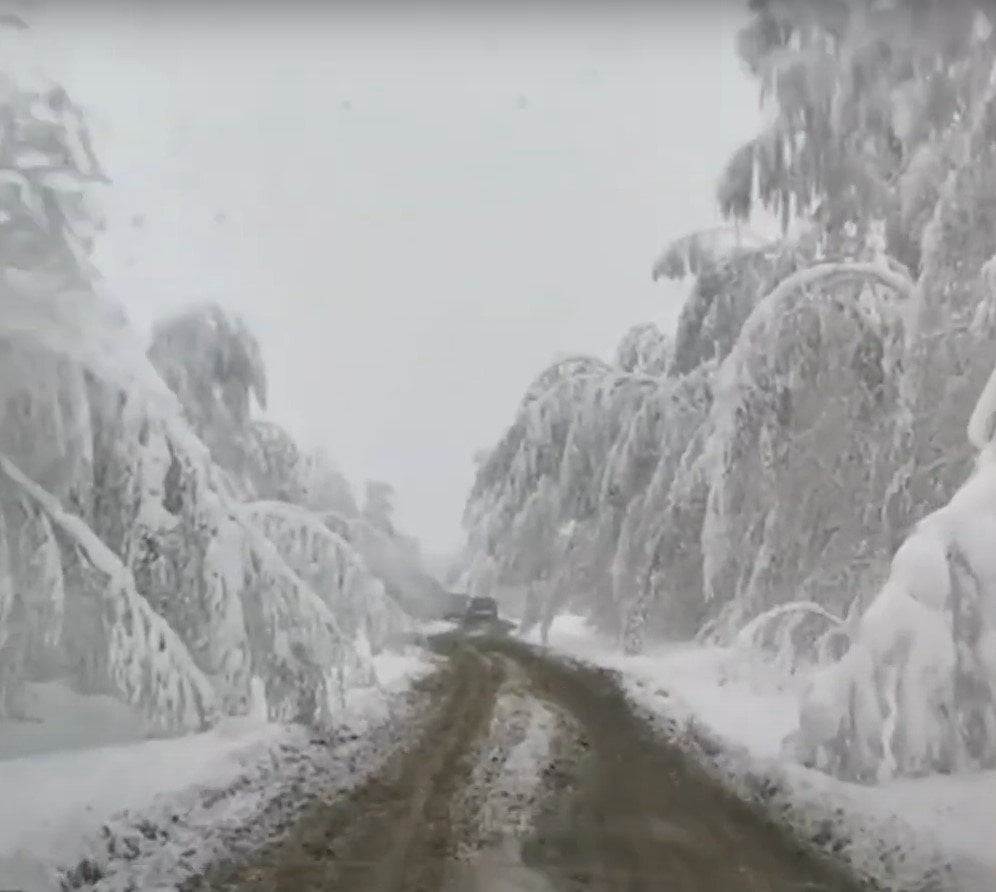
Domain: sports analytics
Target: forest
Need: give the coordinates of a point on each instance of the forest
(161, 539)
(794, 469)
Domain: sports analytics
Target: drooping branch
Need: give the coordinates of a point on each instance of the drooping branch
(892, 275)
(689, 254)
(149, 662)
(748, 633)
(888, 273)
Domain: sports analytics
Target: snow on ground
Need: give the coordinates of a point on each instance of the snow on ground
(511, 776)
(437, 627)
(58, 719)
(733, 709)
(510, 770)
(139, 814)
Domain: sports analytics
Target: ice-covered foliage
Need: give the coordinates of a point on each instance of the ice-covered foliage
(276, 468)
(213, 363)
(783, 444)
(128, 564)
(140, 487)
(326, 489)
(394, 559)
(549, 501)
(696, 252)
(334, 569)
(112, 634)
(721, 299)
(916, 691)
(757, 486)
(47, 224)
(857, 89)
(644, 348)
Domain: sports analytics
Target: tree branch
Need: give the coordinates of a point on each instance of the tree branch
(746, 635)
(147, 656)
(886, 275)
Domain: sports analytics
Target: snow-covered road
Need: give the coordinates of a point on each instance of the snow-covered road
(521, 783)
(146, 815)
(528, 773)
(732, 709)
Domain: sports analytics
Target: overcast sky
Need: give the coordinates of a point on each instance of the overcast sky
(421, 210)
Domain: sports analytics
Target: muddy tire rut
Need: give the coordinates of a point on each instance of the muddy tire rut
(639, 814)
(524, 773)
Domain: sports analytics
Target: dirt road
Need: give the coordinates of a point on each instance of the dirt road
(528, 774)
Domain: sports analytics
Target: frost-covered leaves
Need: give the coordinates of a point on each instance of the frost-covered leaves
(547, 468)
(549, 502)
(45, 423)
(691, 254)
(213, 363)
(119, 640)
(147, 491)
(916, 692)
(33, 623)
(325, 487)
(721, 299)
(276, 469)
(656, 471)
(395, 560)
(186, 552)
(46, 166)
(644, 348)
(378, 505)
(816, 401)
(334, 569)
(953, 354)
(857, 88)
(802, 408)
(122, 564)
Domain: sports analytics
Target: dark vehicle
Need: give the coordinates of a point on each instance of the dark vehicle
(482, 608)
(482, 616)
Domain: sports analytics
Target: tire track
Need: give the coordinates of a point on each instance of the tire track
(640, 815)
(393, 832)
(614, 807)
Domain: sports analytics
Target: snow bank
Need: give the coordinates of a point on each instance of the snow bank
(59, 719)
(94, 812)
(732, 709)
(437, 627)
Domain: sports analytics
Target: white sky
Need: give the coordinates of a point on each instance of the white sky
(423, 209)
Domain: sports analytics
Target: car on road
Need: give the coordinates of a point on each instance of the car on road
(481, 615)
(481, 609)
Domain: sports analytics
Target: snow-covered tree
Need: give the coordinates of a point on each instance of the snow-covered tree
(378, 505)
(70, 604)
(812, 407)
(326, 489)
(213, 363)
(126, 564)
(334, 569)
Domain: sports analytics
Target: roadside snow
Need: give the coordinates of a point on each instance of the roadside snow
(58, 719)
(437, 627)
(733, 709)
(141, 813)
